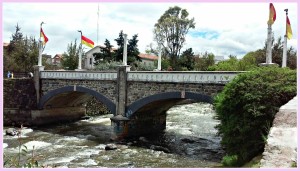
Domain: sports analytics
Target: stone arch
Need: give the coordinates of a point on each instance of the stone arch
(135, 106)
(110, 105)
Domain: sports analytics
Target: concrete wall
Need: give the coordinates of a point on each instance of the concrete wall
(281, 148)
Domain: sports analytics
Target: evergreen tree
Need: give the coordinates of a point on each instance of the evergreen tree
(105, 55)
(21, 54)
(187, 60)
(120, 43)
(132, 49)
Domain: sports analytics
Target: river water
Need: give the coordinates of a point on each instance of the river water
(189, 141)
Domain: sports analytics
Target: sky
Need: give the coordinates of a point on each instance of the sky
(221, 28)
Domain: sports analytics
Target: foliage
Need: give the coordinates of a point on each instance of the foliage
(132, 49)
(233, 64)
(172, 28)
(70, 58)
(246, 108)
(202, 63)
(277, 51)
(228, 161)
(21, 54)
(107, 66)
(187, 60)
(142, 67)
(106, 54)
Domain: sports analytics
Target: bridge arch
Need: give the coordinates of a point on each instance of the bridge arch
(135, 106)
(77, 89)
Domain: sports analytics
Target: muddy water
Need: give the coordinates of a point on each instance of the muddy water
(189, 141)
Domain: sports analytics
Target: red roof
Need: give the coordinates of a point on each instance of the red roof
(5, 44)
(148, 56)
(58, 56)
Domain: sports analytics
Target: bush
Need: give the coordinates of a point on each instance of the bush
(230, 160)
(247, 106)
(107, 66)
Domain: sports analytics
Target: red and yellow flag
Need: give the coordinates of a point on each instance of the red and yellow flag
(289, 32)
(272, 14)
(87, 42)
(45, 38)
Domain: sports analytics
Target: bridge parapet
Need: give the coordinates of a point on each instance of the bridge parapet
(79, 75)
(216, 77)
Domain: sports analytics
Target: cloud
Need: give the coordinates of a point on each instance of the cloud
(221, 28)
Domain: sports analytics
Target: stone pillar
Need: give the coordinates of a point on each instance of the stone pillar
(36, 79)
(119, 121)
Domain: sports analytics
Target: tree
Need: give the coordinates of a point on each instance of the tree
(203, 63)
(277, 51)
(187, 60)
(21, 54)
(120, 43)
(172, 28)
(70, 58)
(132, 49)
(106, 54)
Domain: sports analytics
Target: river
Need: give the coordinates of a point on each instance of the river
(189, 141)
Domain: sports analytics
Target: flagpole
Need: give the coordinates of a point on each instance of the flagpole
(40, 47)
(125, 50)
(80, 51)
(159, 59)
(269, 45)
(284, 55)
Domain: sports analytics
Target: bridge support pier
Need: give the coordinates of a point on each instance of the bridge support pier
(119, 121)
(147, 124)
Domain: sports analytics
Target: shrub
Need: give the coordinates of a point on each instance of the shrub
(230, 160)
(247, 106)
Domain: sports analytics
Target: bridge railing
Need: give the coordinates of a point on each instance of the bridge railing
(79, 75)
(219, 77)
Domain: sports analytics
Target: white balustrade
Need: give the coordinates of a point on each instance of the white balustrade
(157, 76)
(183, 77)
(75, 75)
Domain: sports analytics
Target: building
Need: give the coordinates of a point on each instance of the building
(148, 59)
(48, 58)
(219, 59)
(56, 60)
(89, 60)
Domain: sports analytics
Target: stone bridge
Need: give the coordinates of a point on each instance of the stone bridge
(138, 100)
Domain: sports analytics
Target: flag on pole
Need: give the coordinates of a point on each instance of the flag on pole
(289, 32)
(272, 14)
(45, 38)
(87, 42)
